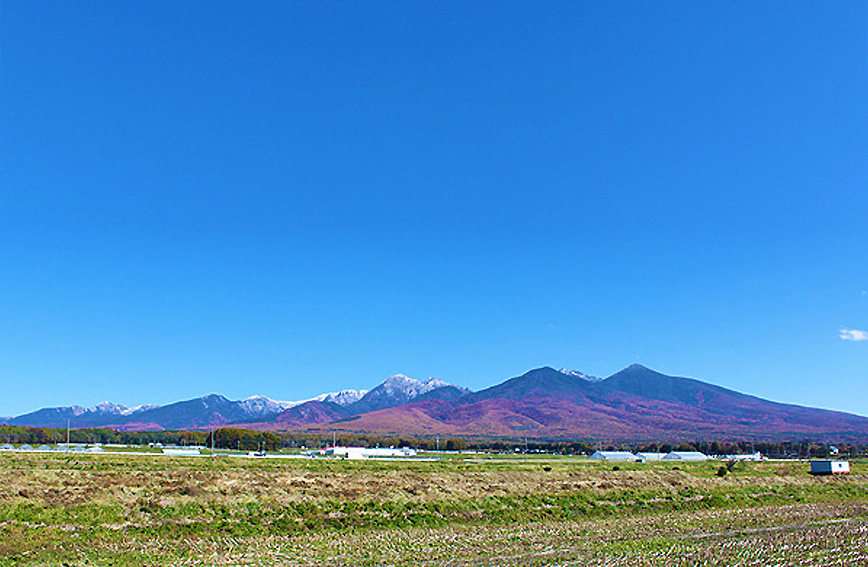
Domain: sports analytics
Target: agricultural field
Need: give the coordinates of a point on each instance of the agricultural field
(141, 509)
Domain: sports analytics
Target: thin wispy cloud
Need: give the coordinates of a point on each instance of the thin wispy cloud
(854, 335)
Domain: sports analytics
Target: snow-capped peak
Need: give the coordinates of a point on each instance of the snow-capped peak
(401, 385)
(400, 381)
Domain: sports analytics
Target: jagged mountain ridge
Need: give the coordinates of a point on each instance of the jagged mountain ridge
(216, 410)
(81, 416)
(394, 391)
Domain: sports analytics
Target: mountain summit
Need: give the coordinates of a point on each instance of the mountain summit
(396, 390)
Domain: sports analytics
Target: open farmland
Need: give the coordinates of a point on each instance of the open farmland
(140, 509)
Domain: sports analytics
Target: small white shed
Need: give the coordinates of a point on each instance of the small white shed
(830, 467)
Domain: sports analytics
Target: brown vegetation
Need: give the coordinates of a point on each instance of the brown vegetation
(141, 509)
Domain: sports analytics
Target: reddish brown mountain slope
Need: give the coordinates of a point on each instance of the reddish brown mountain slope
(634, 404)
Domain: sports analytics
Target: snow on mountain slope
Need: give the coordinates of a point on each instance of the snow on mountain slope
(342, 398)
(581, 375)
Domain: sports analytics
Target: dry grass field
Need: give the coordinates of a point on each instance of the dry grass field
(139, 509)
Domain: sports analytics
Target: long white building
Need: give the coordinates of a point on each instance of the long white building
(368, 452)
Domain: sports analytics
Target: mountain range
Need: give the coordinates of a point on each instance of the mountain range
(216, 410)
(634, 404)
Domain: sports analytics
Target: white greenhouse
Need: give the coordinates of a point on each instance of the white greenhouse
(613, 456)
(685, 456)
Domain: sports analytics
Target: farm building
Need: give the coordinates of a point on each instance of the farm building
(182, 451)
(613, 456)
(367, 453)
(345, 452)
(7, 447)
(71, 447)
(830, 467)
(25, 448)
(645, 457)
(685, 456)
(390, 452)
(751, 457)
(43, 448)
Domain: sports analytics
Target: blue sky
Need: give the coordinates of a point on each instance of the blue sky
(288, 198)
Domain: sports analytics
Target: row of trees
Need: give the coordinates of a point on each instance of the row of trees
(18, 434)
(248, 440)
(798, 449)
(226, 438)
(245, 439)
(785, 449)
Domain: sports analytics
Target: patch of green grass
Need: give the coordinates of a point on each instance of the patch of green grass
(144, 509)
(688, 537)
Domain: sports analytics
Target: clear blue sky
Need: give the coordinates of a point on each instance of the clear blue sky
(288, 198)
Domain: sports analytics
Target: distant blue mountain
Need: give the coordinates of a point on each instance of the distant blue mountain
(217, 411)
